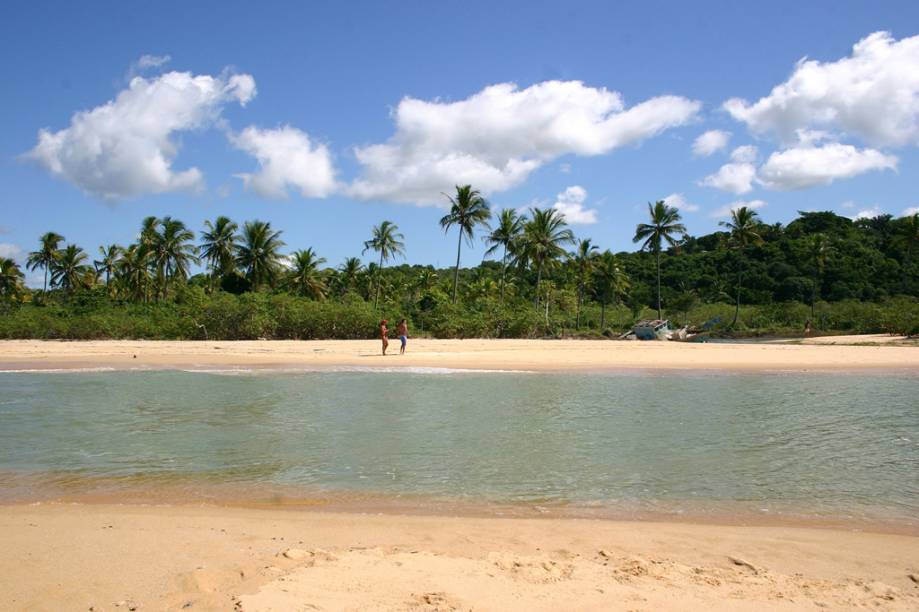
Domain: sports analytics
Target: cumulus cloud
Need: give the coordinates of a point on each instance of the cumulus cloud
(745, 155)
(495, 138)
(571, 204)
(726, 210)
(909, 212)
(286, 158)
(678, 201)
(12, 251)
(125, 147)
(710, 142)
(873, 94)
(733, 177)
(868, 213)
(809, 166)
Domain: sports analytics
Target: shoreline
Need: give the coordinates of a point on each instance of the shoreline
(24, 490)
(109, 556)
(486, 355)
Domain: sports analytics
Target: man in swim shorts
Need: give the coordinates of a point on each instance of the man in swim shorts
(402, 332)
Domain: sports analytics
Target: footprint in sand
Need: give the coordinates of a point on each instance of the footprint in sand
(435, 602)
(535, 570)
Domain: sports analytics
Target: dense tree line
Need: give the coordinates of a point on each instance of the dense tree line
(545, 280)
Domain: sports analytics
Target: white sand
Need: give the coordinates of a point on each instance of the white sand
(81, 557)
(484, 354)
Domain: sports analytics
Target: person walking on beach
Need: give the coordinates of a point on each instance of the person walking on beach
(402, 332)
(384, 334)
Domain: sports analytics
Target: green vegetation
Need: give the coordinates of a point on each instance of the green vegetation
(821, 270)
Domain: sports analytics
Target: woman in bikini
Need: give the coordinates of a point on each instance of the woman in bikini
(384, 333)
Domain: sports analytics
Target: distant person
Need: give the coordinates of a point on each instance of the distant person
(384, 334)
(402, 332)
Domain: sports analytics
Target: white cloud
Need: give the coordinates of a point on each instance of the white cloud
(571, 204)
(495, 138)
(726, 210)
(13, 251)
(146, 63)
(678, 201)
(710, 142)
(286, 158)
(745, 155)
(125, 148)
(873, 94)
(848, 205)
(564, 168)
(909, 212)
(734, 177)
(152, 61)
(868, 213)
(809, 166)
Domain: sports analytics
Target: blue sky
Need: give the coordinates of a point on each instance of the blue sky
(326, 119)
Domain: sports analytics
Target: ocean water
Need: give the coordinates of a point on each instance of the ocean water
(807, 445)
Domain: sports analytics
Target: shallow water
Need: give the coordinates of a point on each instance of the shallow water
(808, 445)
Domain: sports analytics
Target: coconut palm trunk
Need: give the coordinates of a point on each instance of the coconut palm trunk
(659, 313)
(739, 284)
(376, 297)
(538, 280)
(503, 273)
(459, 247)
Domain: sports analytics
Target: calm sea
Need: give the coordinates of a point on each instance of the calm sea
(832, 447)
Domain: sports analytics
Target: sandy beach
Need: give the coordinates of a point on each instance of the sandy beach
(165, 554)
(112, 557)
(466, 354)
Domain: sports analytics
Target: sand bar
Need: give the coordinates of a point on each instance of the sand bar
(467, 354)
(82, 557)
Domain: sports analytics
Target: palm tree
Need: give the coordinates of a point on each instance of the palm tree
(108, 263)
(425, 280)
(305, 276)
(584, 261)
(68, 270)
(510, 227)
(610, 281)
(744, 231)
(134, 271)
(45, 255)
(387, 241)
(258, 254)
(218, 247)
(543, 240)
(173, 252)
(467, 210)
(665, 226)
(349, 273)
(820, 250)
(11, 278)
(149, 231)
